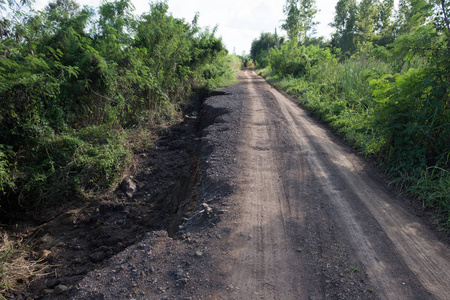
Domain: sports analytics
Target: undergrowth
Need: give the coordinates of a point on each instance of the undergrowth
(81, 89)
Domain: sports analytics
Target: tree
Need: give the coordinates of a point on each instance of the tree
(385, 25)
(299, 22)
(13, 4)
(442, 18)
(366, 21)
(68, 7)
(292, 22)
(71, 81)
(411, 14)
(344, 23)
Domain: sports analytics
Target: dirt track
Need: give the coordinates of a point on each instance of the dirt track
(301, 193)
(291, 213)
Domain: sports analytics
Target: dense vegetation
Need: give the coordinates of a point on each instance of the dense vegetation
(382, 82)
(80, 89)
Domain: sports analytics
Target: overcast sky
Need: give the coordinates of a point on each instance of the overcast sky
(239, 21)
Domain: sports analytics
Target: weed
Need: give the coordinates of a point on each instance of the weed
(353, 269)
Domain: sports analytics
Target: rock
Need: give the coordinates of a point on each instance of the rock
(142, 246)
(128, 186)
(198, 253)
(59, 289)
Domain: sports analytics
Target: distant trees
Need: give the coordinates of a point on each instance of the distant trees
(366, 21)
(260, 48)
(344, 24)
(13, 4)
(372, 21)
(299, 22)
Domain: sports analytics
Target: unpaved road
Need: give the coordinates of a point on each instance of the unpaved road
(292, 213)
(300, 188)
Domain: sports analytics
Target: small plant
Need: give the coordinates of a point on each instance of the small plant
(353, 269)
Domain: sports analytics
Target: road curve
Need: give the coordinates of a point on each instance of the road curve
(313, 221)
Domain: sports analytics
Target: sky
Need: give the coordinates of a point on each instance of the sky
(239, 21)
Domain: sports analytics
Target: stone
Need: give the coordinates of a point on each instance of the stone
(59, 289)
(128, 186)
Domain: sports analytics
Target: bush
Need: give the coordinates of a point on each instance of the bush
(294, 60)
(73, 83)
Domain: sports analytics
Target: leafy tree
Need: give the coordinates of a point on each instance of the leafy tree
(292, 23)
(344, 24)
(13, 4)
(299, 22)
(367, 15)
(73, 79)
(411, 14)
(442, 18)
(385, 26)
(298, 61)
(67, 8)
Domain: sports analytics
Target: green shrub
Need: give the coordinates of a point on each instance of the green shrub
(73, 83)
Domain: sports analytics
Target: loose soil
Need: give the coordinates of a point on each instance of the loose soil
(252, 199)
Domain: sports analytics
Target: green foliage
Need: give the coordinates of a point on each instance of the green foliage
(74, 81)
(295, 60)
(344, 23)
(391, 101)
(64, 164)
(412, 14)
(222, 72)
(299, 21)
(261, 47)
(7, 169)
(366, 19)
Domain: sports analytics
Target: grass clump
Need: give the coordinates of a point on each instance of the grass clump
(73, 163)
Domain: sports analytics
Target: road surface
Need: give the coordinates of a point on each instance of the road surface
(287, 211)
(315, 221)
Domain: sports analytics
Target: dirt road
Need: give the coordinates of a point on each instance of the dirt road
(315, 221)
(287, 211)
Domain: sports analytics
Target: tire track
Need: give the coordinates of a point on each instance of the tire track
(426, 257)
